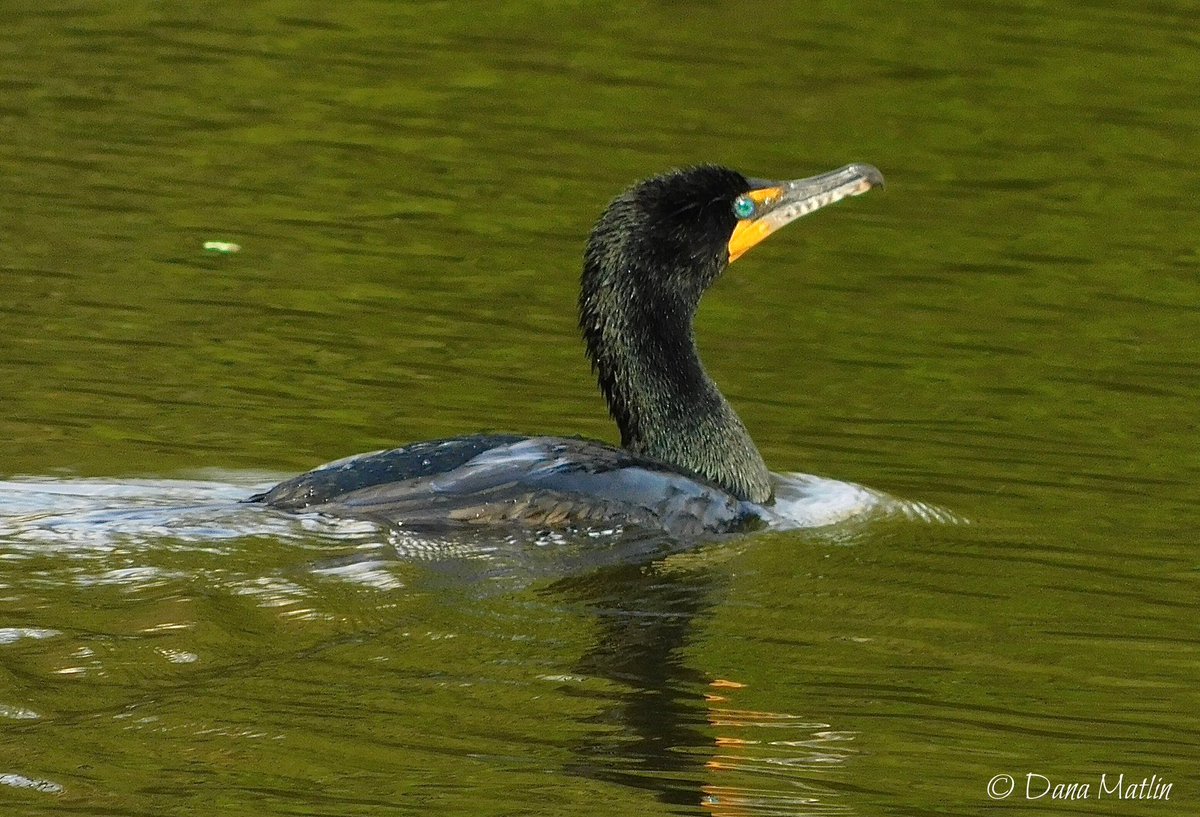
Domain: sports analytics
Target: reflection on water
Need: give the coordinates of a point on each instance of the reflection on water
(648, 726)
(773, 762)
(667, 728)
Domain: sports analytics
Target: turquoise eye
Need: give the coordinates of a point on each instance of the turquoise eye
(743, 207)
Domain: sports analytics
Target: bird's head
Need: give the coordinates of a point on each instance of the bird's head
(669, 237)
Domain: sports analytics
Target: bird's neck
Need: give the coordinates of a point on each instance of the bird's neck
(665, 404)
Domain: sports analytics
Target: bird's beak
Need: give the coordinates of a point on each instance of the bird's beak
(780, 203)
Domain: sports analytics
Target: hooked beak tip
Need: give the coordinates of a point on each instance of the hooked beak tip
(869, 173)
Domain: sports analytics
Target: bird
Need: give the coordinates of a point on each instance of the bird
(686, 465)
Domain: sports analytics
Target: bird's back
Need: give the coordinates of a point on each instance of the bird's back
(533, 482)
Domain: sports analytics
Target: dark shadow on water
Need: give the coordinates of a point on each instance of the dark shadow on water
(647, 733)
(664, 726)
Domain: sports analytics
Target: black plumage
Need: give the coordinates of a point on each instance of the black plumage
(686, 464)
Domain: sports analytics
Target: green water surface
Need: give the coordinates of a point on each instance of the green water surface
(1007, 330)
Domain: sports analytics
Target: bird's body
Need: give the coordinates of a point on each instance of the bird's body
(687, 464)
(492, 480)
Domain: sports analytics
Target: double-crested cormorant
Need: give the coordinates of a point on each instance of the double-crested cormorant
(686, 463)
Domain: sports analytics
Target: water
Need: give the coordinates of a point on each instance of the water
(1007, 331)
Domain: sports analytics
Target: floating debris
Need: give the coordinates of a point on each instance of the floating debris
(222, 247)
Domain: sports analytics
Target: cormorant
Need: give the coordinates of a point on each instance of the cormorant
(686, 464)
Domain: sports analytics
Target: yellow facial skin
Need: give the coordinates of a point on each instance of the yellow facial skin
(783, 203)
